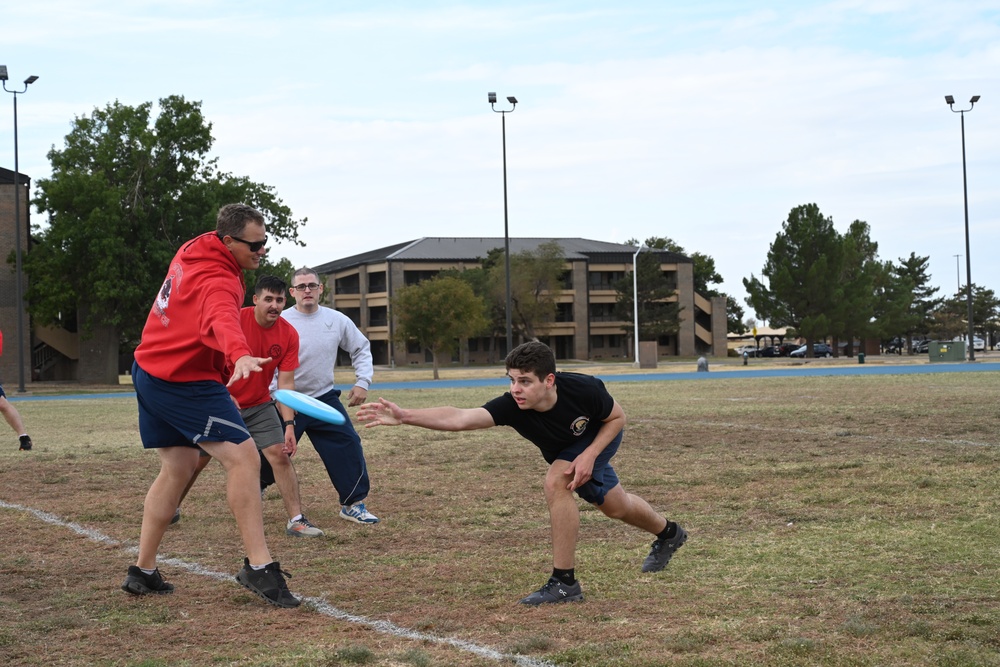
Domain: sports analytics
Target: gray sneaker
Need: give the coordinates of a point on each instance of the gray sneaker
(268, 584)
(302, 528)
(662, 550)
(554, 591)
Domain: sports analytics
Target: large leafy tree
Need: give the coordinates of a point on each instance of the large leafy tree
(535, 286)
(126, 190)
(803, 270)
(657, 316)
(437, 313)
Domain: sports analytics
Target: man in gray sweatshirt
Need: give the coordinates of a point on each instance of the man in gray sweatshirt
(322, 333)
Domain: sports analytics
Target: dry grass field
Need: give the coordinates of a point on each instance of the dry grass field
(832, 520)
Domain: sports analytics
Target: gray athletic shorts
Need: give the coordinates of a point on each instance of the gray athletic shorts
(264, 423)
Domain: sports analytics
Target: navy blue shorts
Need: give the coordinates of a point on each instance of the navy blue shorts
(604, 478)
(182, 414)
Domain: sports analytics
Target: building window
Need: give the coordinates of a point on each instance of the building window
(601, 312)
(376, 282)
(378, 316)
(597, 342)
(353, 313)
(473, 345)
(413, 347)
(348, 284)
(417, 277)
(566, 279)
(604, 280)
(564, 312)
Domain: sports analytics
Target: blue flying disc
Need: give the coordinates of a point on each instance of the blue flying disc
(309, 406)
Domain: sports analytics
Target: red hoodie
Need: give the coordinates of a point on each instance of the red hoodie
(193, 328)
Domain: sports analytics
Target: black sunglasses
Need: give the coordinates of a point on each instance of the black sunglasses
(253, 245)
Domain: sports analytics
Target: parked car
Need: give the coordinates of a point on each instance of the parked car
(819, 350)
(978, 344)
(786, 349)
(921, 346)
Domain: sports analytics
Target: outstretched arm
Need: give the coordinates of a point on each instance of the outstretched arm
(445, 418)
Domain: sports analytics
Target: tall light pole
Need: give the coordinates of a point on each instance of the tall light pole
(17, 232)
(635, 302)
(506, 234)
(965, 192)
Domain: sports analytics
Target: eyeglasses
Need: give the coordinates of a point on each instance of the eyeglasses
(254, 246)
(306, 286)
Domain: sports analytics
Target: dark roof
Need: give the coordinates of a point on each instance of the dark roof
(456, 249)
(7, 177)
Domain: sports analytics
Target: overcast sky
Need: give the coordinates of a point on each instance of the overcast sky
(704, 122)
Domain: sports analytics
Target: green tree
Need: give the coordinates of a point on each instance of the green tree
(437, 313)
(894, 315)
(913, 270)
(482, 281)
(802, 269)
(658, 315)
(853, 315)
(535, 286)
(126, 190)
(704, 275)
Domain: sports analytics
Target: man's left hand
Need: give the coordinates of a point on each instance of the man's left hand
(356, 396)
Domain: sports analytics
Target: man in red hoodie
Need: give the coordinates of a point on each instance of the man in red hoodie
(192, 332)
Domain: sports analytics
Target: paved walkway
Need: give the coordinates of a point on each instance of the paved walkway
(819, 367)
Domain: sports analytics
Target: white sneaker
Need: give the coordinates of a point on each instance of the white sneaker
(357, 513)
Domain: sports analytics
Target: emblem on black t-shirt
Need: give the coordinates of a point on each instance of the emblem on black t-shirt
(579, 425)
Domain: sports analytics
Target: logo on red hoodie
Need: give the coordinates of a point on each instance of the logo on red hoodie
(172, 283)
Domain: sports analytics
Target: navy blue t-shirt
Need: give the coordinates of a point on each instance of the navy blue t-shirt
(582, 403)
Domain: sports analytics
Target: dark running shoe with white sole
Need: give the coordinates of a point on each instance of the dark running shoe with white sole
(138, 582)
(554, 591)
(662, 550)
(268, 584)
(25, 443)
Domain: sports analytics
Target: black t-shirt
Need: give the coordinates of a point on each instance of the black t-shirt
(580, 400)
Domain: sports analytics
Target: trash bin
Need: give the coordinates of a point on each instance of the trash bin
(946, 350)
(861, 357)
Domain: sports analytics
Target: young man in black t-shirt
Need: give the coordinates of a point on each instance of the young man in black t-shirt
(578, 426)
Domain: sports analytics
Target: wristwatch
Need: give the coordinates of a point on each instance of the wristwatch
(290, 422)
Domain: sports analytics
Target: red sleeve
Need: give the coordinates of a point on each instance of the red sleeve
(220, 324)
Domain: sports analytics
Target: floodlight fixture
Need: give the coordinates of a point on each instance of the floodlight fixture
(949, 99)
(3, 72)
(975, 98)
(512, 100)
(492, 98)
(30, 79)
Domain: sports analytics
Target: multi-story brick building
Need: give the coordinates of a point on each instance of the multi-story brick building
(362, 287)
(10, 370)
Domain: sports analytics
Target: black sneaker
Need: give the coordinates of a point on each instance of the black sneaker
(268, 584)
(662, 550)
(138, 582)
(25, 443)
(177, 516)
(554, 591)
